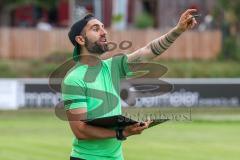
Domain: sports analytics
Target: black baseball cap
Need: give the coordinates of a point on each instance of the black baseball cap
(77, 28)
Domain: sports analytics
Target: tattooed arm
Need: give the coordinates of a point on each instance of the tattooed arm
(159, 45)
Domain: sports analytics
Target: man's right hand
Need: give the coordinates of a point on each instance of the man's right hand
(135, 128)
(187, 21)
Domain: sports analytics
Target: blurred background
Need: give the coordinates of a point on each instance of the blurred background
(203, 65)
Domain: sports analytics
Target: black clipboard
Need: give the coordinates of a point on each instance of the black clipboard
(119, 121)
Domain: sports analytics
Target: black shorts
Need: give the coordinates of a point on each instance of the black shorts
(73, 158)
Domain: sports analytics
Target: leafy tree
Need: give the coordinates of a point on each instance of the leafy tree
(230, 27)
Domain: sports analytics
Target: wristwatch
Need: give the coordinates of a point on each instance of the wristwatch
(119, 134)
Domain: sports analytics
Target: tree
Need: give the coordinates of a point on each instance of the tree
(232, 14)
(230, 27)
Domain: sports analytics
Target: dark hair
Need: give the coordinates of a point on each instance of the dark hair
(77, 29)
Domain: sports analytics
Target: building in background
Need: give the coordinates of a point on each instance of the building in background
(114, 13)
(22, 14)
(169, 11)
(123, 14)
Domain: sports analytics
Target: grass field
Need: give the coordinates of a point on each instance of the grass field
(179, 68)
(38, 135)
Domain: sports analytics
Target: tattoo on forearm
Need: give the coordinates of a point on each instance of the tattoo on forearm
(161, 44)
(138, 59)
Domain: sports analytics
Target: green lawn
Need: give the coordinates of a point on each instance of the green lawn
(179, 68)
(38, 135)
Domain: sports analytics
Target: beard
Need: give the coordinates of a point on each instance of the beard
(96, 47)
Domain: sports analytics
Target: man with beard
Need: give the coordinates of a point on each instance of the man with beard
(91, 88)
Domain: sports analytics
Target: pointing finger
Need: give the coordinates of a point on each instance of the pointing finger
(188, 19)
(190, 11)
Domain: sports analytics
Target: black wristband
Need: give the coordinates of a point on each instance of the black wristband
(119, 134)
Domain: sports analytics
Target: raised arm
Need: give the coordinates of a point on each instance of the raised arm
(161, 44)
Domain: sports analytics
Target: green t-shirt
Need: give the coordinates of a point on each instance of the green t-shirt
(97, 89)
